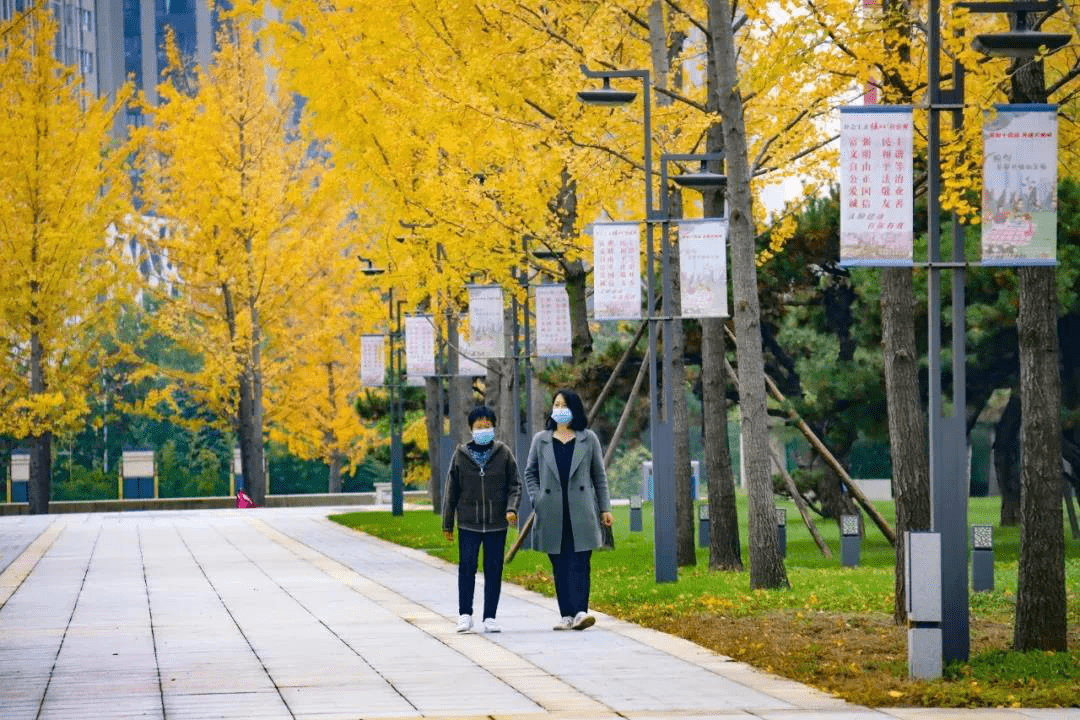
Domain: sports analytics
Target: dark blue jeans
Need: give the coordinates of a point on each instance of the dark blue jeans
(572, 577)
(469, 543)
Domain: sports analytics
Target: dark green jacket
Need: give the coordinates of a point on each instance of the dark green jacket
(481, 497)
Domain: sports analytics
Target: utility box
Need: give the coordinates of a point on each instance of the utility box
(138, 479)
(922, 581)
(19, 477)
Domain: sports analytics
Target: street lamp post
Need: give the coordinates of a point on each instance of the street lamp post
(700, 181)
(397, 411)
(397, 459)
(523, 426)
(948, 433)
(661, 435)
(523, 368)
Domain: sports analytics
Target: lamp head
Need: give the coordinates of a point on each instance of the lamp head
(606, 95)
(703, 180)
(1019, 43)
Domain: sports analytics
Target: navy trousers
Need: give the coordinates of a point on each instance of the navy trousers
(572, 572)
(469, 543)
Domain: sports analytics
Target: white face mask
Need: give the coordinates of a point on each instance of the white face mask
(483, 436)
(562, 415)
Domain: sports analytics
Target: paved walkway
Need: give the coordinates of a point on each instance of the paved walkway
(279, 613)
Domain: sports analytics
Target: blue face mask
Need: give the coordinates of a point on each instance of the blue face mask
(483, 436)
(562, 415)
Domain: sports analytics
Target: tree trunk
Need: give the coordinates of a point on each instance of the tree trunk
(685, 551)
(499, 394)
(725, 551)
(460, 399)
(576, 292)
(252, 457)
(1040, 591)
(724, 548)
(907, 427)
(39, 488)
(333, 483)
(433, 421)
(835, 503)
(766, 564)
(1006, 467)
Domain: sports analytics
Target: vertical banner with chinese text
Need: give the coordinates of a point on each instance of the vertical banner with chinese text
(469, 364)
(372, 360)
(486, 322)
(616, 271)
(553, 335)
(1019, 207)
(703, 267)
(419, 349)
(876, 188)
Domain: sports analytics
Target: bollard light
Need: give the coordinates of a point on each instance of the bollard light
(849, 540)
(982, 558)
(703, 511)
(704, 532)
(982, 537)
(635, 513)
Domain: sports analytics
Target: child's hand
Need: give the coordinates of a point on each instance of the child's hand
(448, 534)
(511, 517)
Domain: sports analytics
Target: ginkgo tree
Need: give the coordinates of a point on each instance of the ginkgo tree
(64, 187)
(252, 211)
(312, 387)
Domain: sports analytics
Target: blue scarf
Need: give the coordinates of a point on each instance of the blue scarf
(482, 456)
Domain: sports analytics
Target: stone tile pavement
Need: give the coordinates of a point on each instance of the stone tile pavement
(279, 613)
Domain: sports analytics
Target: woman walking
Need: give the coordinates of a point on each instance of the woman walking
(567, 483)
(482, 490)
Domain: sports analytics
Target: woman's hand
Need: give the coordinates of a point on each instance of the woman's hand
(448, 534)
(607, 519)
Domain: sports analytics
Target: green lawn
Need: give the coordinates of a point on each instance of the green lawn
(720, 611)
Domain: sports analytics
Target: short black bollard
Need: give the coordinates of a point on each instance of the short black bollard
(781, 530)
(635, 513)
(849, 540)
(982, 558)
(703, 525)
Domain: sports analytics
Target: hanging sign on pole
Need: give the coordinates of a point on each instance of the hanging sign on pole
(703, 267)
(1019, 208)
(616, 271)
(876, 188)
(553, 334)
(372, 360)
(468, 364)
(486, 337)
(419, 347)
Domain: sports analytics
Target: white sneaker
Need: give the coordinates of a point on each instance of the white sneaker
(464, 623)
(565, 624)
(491, 626)
(583, 620)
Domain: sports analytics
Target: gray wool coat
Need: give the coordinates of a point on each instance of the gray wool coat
(588, 492)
